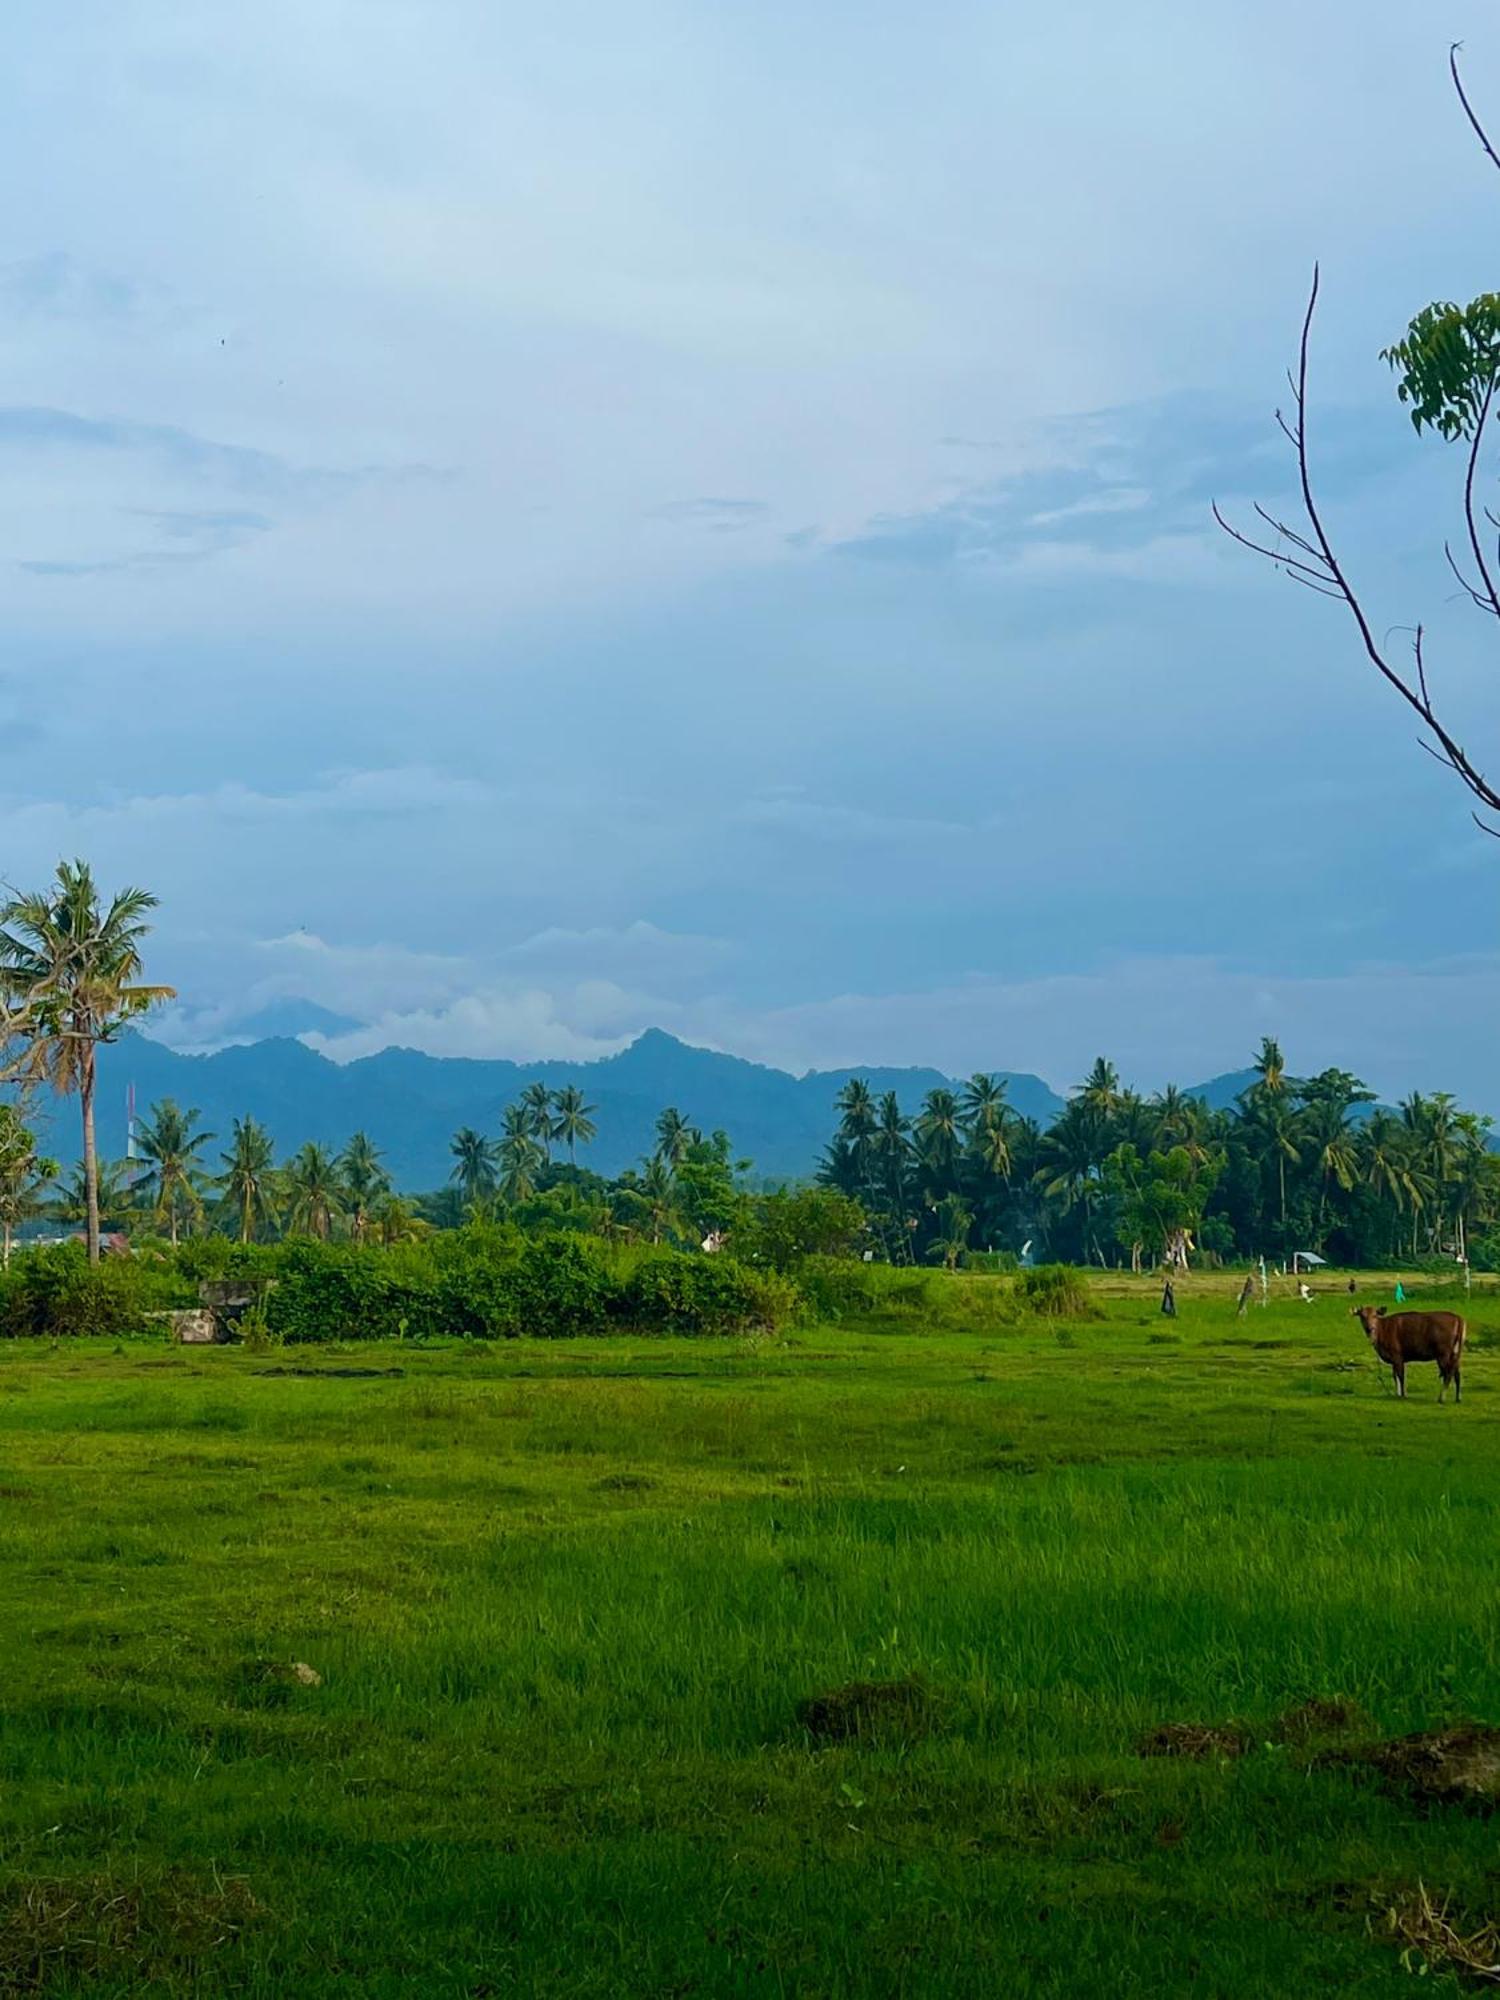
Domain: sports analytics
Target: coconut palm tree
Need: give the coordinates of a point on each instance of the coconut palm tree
(954, 1222)
(673, 1137)
(114, 1198)
(70, 976)
(1270, 1069)
(365, 1181)
(536, 1102)
(315, 1191)
(520, 1154)
(474, 1159)
(248, 1180)
(574, 1121)
(174, 1172)
(658, 1197)
(397, 1221)
(24, 1176)
(1100, 1090)
(939, 1135)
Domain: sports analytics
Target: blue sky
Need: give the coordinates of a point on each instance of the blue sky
(523, 525)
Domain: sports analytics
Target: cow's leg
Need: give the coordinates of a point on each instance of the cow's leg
(1398, 1369)
(1442, 1381)
(1458, 1378)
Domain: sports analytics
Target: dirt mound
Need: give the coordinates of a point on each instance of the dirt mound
(870, 1711)
(75, 1930)
(1320, 1717)
(1193, 1739)
(1459, 1765)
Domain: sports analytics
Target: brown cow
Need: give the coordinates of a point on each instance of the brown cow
(1417, 1336)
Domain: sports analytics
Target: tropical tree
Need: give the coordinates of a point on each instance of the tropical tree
(248, 1177)
(673, 1137)
(536, 1103)
(175, 1173)
(314, 1191)
(397, 1221)
(25, 1176)
(521, 1154)
(474, 1162)
(365, 1181)
(113, 1195)
(70, 975)
(954, 1222)
(574, 1120)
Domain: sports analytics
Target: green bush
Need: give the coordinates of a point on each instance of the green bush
(1055, 1291)
(53, 1292)
(671, 1291)
(344, 1291)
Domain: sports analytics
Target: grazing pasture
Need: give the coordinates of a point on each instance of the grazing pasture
(816, 1667)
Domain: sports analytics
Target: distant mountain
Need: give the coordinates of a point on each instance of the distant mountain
(411, 1104)
(1221, 1093)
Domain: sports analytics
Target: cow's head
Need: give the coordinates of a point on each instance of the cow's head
(1369, 1318)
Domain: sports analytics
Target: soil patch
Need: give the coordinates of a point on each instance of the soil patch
(338, 1374)
(1193, 1739)
(1320, 1717)
(870, 1711)
(61, 1930)
(1459, 1765)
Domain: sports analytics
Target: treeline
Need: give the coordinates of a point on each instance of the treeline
(1297, 1164)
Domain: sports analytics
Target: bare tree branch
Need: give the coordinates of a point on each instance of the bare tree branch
(1469, 112)
(1319, 568)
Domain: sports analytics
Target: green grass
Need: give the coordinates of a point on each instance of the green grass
(565, 1600)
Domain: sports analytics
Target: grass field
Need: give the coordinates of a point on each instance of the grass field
(566, 1599)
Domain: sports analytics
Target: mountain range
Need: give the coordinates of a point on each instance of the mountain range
(411, 1104)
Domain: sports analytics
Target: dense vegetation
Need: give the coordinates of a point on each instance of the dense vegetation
(1298, 1164)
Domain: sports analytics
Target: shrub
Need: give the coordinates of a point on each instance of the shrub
(339, 1291)
(669, 1291)
(1055, 1291)
(54, 1292)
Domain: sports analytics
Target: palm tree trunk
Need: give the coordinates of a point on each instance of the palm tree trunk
(90, 1152)
(7, 1246)
(174, 1221)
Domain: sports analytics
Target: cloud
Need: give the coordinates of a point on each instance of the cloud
(721, 517)
(1116, 488)
(636, 949)
(55, 286)
(1168, 1019)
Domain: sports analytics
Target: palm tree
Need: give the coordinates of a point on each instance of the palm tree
(937, 1131)
(314, 1191)
(1100, 1089)
(1270, 1069)
(70, 976)
(112, 1193)
(474, 1165)
(658, 1196)
(575, 1120)
(673, 1137)
(1275, 1124)
(397, 1221)
(1331, 1148)
(1391, 1168)
(536, 1102)
(952, 1239)
(520, 1154)
(249, 1176)
(365, 1181)
(170, 1147)
(24, 1175)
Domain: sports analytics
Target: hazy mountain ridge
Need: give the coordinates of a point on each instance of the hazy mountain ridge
(411, 1104)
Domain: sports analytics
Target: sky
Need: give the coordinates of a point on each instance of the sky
(522, 525)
